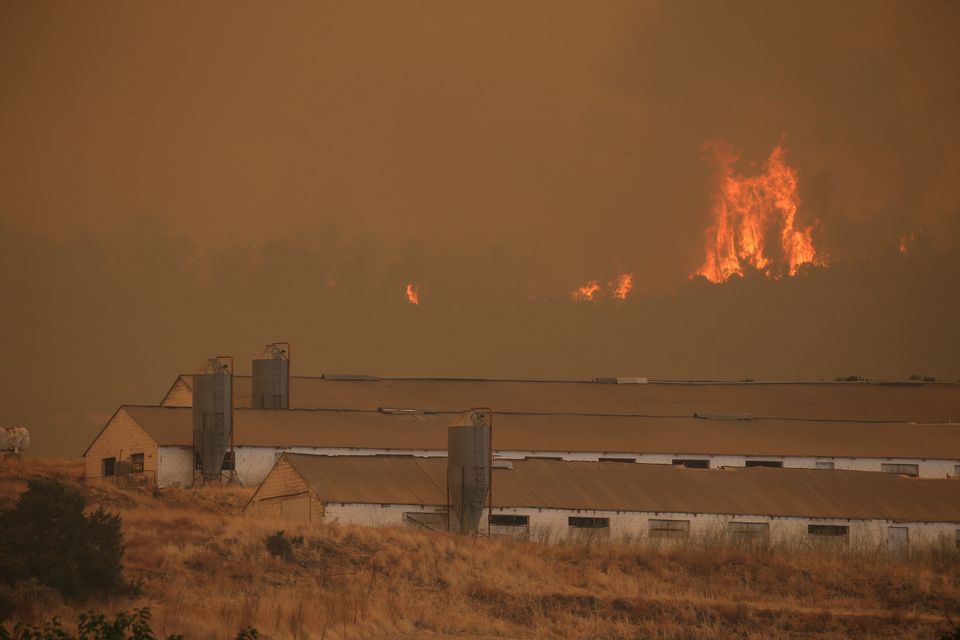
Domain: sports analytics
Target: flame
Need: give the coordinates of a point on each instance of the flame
(745, 210)
(413, 293)
(587, 292)
(622, 286)
(907, 240)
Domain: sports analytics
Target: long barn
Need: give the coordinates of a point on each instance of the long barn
(550, 500)
(156, 444)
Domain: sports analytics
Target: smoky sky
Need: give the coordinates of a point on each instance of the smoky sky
(179, 179)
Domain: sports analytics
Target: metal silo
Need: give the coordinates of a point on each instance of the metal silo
(271, 378)
(213, 416)
(468, 469)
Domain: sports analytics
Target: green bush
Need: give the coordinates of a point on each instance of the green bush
(47, 537)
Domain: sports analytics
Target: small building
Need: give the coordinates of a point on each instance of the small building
(550, 499)
(156, 443)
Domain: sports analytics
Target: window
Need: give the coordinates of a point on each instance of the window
(828, 530)
(958, 538)
(765, 463)
(509, 520)
(632, 460)
(668, 529)
(229, 461)
(542, 458)
(824, 464)
(748, 530)
(136, 460)
(956, 471)
(425, 520)
(109, 467)
(578, 522)
(904, 469)
(691, 463)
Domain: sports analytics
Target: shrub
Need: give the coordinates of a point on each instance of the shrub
(134, 625)
(281, 546)
(49, 538)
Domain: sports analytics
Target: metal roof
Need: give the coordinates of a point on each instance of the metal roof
(894, 402)
(563, 433)
(641, 487)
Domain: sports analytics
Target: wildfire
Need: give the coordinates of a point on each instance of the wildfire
(413, 293)
(587, 292)
(746, 210)
(907, 241)
(622, 286)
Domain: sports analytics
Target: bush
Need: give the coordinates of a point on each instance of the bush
(48, 537)
(134, 625)
(280, 545)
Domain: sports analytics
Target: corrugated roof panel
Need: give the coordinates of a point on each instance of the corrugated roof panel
(593, 433)
(649, 488)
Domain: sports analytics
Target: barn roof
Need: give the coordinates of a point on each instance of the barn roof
(641, 487)
(568, 433)
(874, 401)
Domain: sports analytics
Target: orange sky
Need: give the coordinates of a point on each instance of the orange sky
(161, 162)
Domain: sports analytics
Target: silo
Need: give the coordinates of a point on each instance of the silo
(212, 416)
(271, 378)
(468, 470)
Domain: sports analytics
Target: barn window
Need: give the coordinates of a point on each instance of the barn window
(509, 520)
(828, 530)
(618, 460)
(229, 461)
(666, 529)
(824, 464)
(136, 460)
(748, 530)
(578, 522)
(765, 463)
(904, 469)
(432, 521)
(109, 466)
(691, 463)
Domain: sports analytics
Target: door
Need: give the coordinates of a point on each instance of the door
(898, 538)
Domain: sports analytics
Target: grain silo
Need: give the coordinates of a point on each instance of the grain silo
(271, 378)
(213, 417)
(468, 469)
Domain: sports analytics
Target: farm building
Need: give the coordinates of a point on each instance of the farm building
(826, 401)
(550, 499)
(156, 443)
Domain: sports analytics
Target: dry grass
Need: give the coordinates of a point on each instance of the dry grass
(206, 573)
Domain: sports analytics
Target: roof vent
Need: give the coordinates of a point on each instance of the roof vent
(394, 411)
(723, 416)
(626, 380)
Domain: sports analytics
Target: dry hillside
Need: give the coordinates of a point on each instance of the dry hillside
(206, 572)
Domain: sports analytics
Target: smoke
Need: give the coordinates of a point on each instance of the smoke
(177, 185)
(93, 324)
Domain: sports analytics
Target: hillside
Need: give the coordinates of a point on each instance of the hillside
(206, 572)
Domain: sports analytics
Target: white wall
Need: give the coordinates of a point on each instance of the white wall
(551, 524)
(174, 466)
